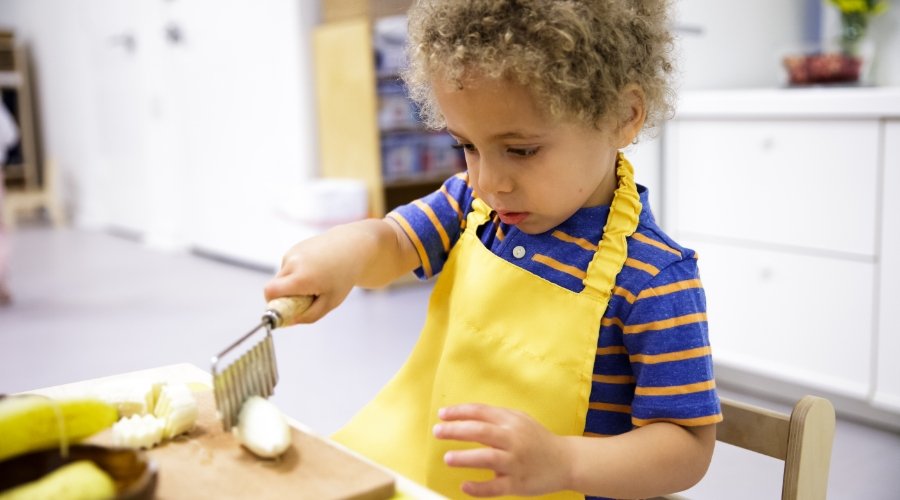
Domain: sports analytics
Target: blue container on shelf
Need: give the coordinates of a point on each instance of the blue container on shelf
(390, 45)
(395, 109)
(402, 156)
(440, 156)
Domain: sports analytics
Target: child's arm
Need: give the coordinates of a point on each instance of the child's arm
(369, 253)
(656, 459)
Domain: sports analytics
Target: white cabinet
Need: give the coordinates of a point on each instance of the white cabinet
(792, 200)
(802, 317)
(802, 184)
(887, 375)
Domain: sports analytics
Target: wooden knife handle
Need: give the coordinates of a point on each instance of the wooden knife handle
(285, 311)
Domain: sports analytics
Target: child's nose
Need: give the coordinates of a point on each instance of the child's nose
(494, 179)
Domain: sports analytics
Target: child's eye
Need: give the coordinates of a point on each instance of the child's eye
(468, 147)
(523, 152)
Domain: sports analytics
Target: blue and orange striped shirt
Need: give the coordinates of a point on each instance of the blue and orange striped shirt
(653, 357)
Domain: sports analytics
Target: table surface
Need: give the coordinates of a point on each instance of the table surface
(188, 373)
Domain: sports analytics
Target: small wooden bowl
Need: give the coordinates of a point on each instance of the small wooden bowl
(133, 472)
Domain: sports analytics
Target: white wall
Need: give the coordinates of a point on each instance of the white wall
(193, 144)
(739, 44)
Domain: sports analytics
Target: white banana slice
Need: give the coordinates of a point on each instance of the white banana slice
(160, 411)
(138, 431)
(178, 407)
(262, 428)
(133, 398)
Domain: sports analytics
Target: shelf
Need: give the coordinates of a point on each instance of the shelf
(418, 179)
(401, 194)
(10, 79)
(408, 130)
(389, 78)
(398, 158)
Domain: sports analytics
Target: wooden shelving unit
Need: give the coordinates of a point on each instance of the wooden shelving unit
(351, 141)
(29, 184)
(21, 170)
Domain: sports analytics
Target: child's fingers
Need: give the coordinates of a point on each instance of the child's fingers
(480, 458)
(475, 411)
(288, 286)
(492, 488)
(316, 310)
(476, 431)
(278, 287)
(294, 283)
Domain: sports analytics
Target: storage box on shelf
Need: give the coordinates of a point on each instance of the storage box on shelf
(785, 194)
(368, 128)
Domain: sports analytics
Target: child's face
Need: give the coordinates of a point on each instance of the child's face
(534, 171)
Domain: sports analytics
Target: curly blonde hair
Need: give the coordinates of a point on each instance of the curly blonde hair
(575, 56)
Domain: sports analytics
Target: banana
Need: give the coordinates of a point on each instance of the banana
(171, 409)
(262, 428)
(31, 422)
(138, 431)
(81, 480)
(177, 405)
(132, 398)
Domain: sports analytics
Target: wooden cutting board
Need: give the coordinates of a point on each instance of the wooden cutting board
(210, 463)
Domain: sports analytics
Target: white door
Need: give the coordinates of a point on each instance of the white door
(117, 54)
(248, 120)
(206, 120)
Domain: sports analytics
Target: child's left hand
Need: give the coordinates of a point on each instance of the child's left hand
(527, 459)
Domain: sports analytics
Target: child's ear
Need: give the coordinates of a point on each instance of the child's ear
(633, 114)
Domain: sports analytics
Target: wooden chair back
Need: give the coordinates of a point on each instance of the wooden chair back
(802, 440)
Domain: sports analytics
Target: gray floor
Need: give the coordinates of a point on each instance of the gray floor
(89, 304)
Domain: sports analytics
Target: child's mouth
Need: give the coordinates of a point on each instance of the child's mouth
(512, 218)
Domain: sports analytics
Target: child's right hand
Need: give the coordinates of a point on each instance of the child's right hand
(370, 253)
(317, 268)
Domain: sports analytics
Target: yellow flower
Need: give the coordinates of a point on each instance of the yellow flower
(860, 6)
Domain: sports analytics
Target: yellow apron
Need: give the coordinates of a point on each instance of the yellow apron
(499, 335)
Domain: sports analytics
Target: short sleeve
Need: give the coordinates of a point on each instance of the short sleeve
(667, 339)
(434, 222)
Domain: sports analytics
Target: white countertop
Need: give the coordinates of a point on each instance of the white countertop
(801, 102)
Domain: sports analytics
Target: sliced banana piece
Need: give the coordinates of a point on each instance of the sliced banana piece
(262, 428)
(171, 409)
(130, 398)
(138, 431)
(178, 407)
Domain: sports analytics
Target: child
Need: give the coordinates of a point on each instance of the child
(565, 350)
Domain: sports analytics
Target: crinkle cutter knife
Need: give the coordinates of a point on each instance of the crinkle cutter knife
(254, 372)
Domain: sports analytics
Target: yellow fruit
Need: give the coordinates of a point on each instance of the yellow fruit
(171, 410)
(262, 428)
(138, 431)
(81, 480)
(31, 423)
(176, 405)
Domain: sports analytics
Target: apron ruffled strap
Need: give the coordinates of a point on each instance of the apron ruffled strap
(480, 214)
(620, 224)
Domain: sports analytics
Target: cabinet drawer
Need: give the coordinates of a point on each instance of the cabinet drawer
(807, 184)
(795, 317)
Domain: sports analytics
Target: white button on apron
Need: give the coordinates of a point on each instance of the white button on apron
(519, 252)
